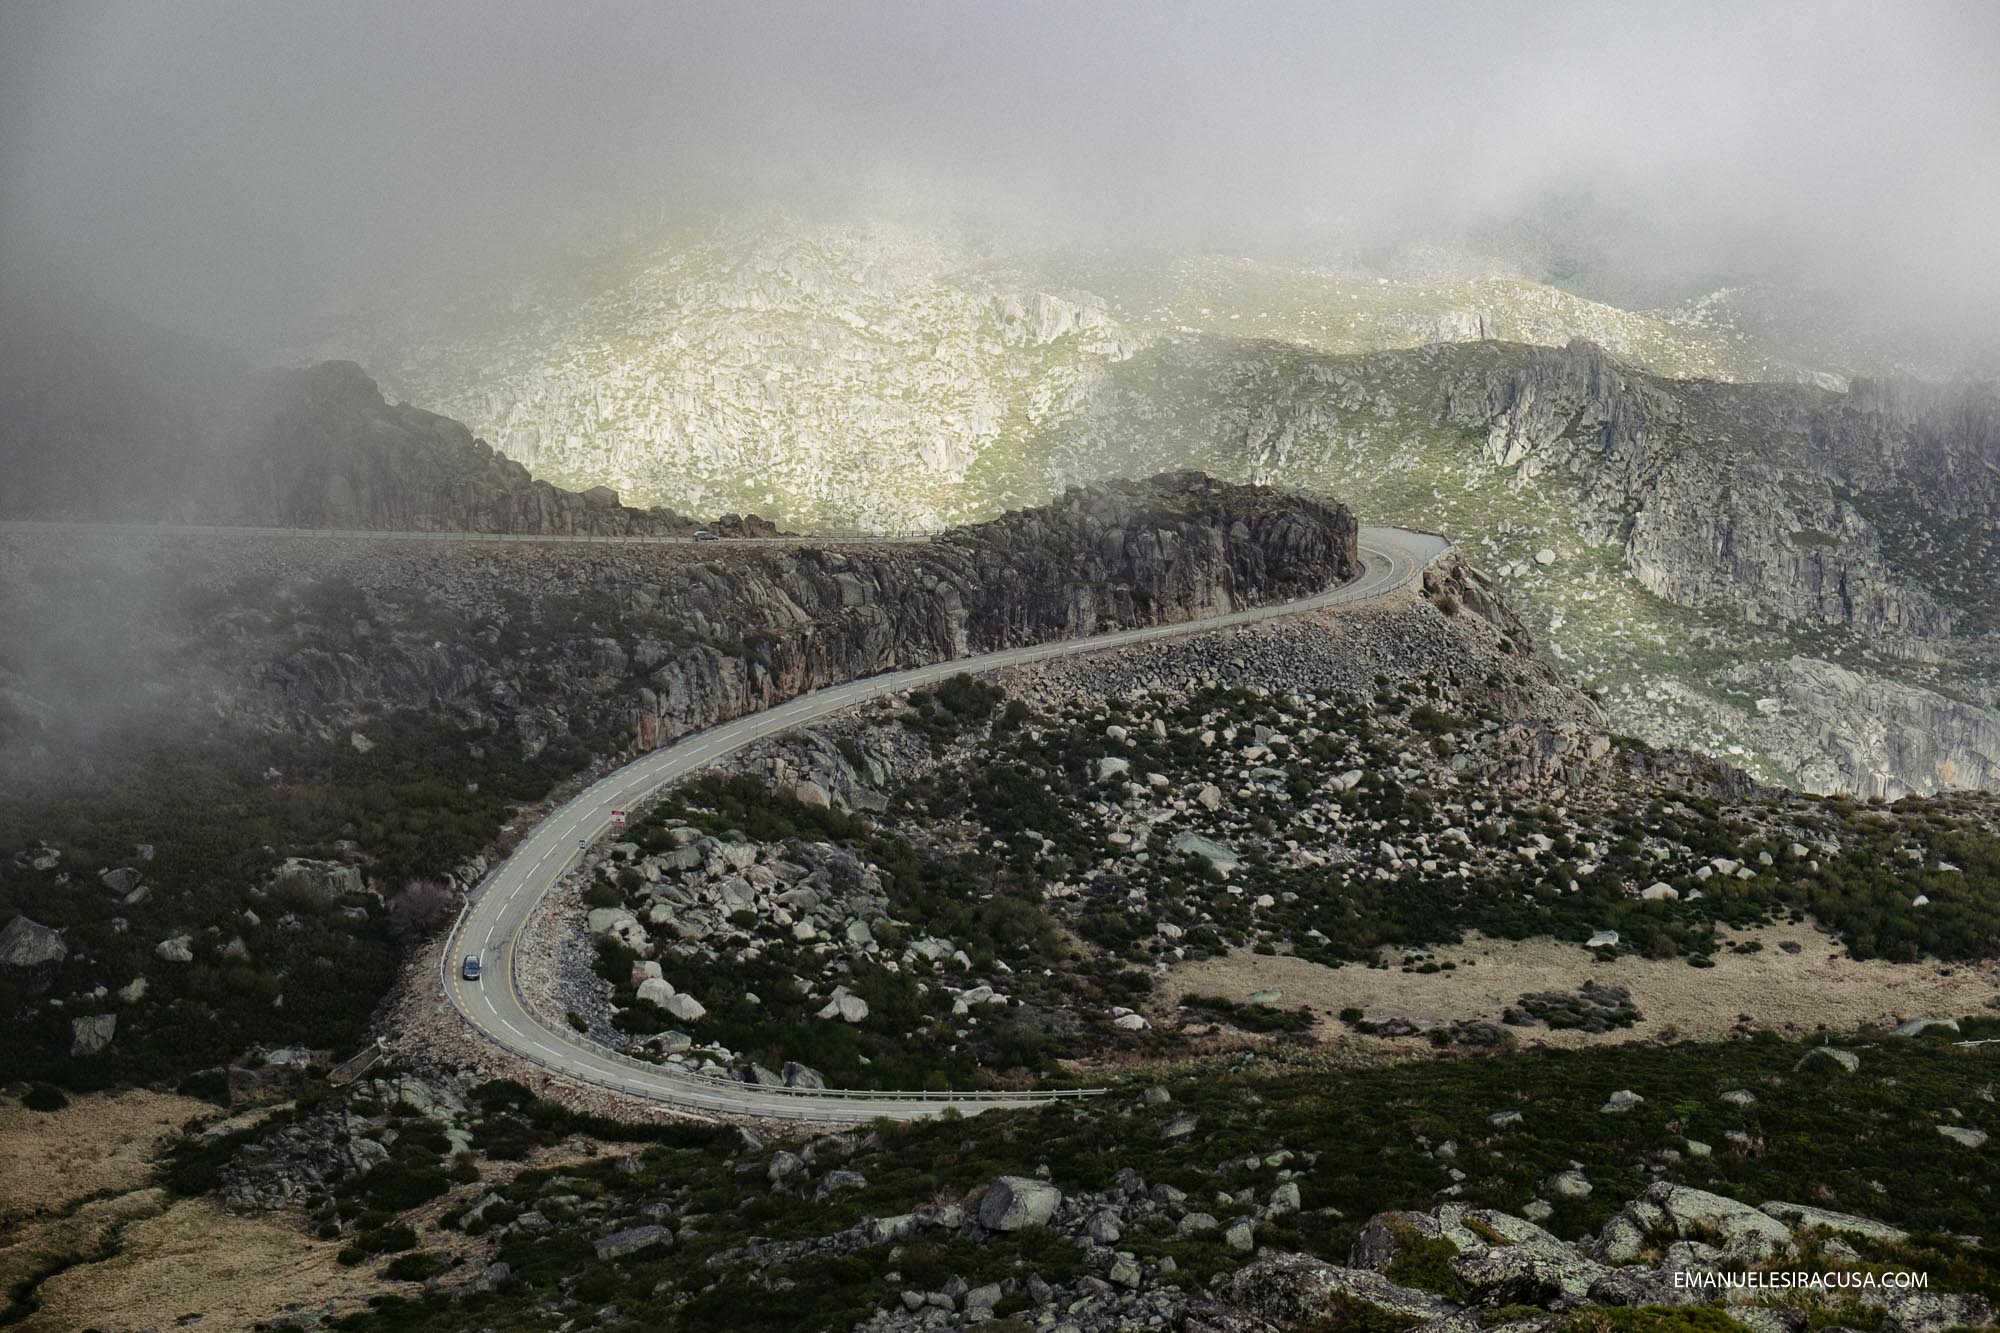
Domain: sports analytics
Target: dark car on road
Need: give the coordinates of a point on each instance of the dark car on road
(470, 971)
(706, 536)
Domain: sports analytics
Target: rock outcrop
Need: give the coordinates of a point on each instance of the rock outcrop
(1743, 494)
(1841, 730)
(649, 642)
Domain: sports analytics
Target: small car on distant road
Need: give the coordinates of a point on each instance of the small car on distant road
(706, 536)
(470, 971)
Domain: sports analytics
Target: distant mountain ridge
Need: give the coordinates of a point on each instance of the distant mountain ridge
(765, 364)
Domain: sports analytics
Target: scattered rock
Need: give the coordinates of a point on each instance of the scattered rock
(25, 944)
(1014, 1202)
(1217, 855)
(1740, 1231)
(92, 1033)
(1568, 1185)
(1805, 1217)
(1828, 1058)
(1295, 1289)
(684, 1007)
(839, 1182)
(1916, 1027)
(846, 1007)
(633, 1240)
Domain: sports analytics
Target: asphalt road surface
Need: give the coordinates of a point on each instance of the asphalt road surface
(498, 910)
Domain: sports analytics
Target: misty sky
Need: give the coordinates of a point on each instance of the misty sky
(201, 160)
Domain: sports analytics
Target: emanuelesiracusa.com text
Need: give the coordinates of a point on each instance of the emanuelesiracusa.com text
(1803, 1281)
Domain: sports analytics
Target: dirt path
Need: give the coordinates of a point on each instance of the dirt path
(1796, 993)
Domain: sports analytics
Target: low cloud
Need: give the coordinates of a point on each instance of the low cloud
(236, 166)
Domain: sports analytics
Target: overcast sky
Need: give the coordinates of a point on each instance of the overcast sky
(202, 158)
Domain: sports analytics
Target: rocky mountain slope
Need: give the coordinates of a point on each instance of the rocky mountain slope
(796, 369)
(1754, 1185)
(1685, 547)
(1728, 496)
(1090, 861)
(382, 708)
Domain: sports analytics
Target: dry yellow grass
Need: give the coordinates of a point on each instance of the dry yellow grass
(45, 1244)
(194, 1259)
(1794, 993)
(98, 1144)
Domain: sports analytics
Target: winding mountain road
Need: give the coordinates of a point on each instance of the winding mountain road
(499, 910)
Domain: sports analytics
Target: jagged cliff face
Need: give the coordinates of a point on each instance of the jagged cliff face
(1844, 730)
(1746, 496)
(1177, 547)
(1870, 515)
(1671, 541)
(628, 647)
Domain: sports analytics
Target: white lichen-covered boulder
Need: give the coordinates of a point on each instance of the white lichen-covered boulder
(1014, 1202)
(1738, 1230)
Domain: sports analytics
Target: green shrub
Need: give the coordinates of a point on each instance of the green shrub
(415, 1266)
(1250, 1017)
(1422, 1262)
(45, 1097)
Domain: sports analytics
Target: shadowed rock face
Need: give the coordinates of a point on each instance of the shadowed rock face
(1176, 547)
(649, 642)
(691, 642)
(26, 944)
